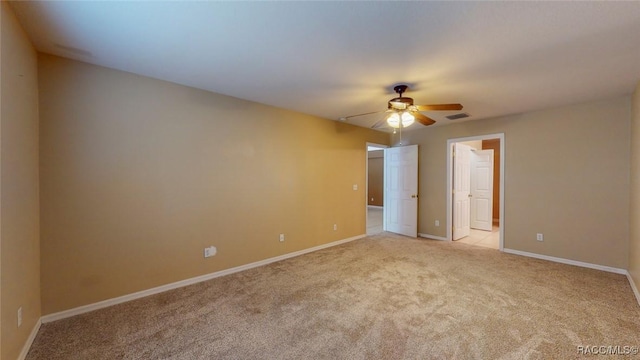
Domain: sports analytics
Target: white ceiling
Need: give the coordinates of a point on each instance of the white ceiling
(334, 59)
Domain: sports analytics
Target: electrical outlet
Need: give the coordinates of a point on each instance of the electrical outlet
(437, 222)
(210, 251)
(371, 199)
(281, 237)
(20, 316)
(335, 226)
(539, 237)
(355, 186)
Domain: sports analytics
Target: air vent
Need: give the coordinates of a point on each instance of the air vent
(458, 116)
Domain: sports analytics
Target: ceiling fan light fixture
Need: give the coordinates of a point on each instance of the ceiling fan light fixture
(403, 119)
(407, 119)
(394, 120)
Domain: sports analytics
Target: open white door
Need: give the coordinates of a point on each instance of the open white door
(461, 190)
(482, 189)
(401, 190)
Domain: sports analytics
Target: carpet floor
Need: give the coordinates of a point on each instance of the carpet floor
(381, 297)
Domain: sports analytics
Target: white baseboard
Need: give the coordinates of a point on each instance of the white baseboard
(30, 339)
(567, 261)
(175, 285)
(633, 287)
(434, 237)
(376, 207)
(636, 293)
(140, 294)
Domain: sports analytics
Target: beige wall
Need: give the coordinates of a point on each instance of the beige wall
(566, 176)
(376, 178)
(138, 176)
(19, 209)
(634, 216)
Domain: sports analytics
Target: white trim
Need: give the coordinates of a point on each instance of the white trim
(434, 237)
(30, 339)
(610, 269)
(144, 293)
(450, 181)
(633, 287)
(567, 261)
(376, 207)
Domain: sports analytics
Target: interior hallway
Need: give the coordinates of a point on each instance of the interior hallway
(374, 220)
(488, 239)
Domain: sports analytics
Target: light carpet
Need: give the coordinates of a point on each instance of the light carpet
(382, 297)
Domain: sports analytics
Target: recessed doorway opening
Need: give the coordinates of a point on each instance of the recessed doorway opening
(375, 188)
(475, 190)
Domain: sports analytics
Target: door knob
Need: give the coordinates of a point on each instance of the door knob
(414, 196)
(470, 195)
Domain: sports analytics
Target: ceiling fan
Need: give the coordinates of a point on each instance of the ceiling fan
(401, 112)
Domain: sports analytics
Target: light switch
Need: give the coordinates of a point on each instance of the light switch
(355, 186)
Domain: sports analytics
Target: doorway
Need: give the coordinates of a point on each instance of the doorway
(475, 195)
(375, 189)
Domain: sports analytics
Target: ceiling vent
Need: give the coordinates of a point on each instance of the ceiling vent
(458, 116)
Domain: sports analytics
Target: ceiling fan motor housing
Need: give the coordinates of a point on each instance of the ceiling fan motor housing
(400, 103)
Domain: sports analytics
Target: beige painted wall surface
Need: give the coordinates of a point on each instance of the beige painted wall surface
(138, 176)
(19, 247)
(634, 215)
(566, 176)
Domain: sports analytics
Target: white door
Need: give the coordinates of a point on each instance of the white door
(461, 190)
(482, 189)
(401, 190)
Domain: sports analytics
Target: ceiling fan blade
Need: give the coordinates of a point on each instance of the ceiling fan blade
(424, 120)
(382, 121)
(439, 107)
(345, 118)
(379, 124)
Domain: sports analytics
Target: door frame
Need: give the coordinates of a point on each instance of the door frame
(450, 143)
(366, 188)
